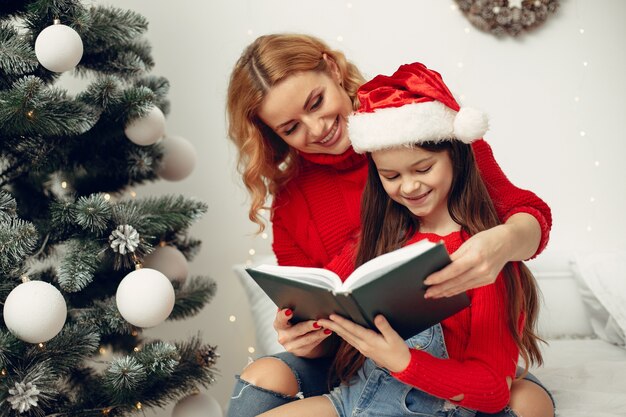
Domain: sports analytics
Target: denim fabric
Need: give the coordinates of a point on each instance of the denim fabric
(373, 392)
(311, 375)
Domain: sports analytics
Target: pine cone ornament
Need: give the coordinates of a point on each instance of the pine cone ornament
(124, 239)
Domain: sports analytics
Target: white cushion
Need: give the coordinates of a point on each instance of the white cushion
(602, 281)
(262, 308)
(562, 313)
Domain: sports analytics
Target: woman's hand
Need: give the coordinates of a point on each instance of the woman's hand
(476, 263)
(303, 339)
(387, 349)
(480, 259)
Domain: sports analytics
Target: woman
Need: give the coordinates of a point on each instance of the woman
(288, 101)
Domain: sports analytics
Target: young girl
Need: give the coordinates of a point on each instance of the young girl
(289, 98)
(423, 183)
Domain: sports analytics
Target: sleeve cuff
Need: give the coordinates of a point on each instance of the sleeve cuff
(543, 224)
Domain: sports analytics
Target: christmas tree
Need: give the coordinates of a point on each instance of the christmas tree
(85, 264)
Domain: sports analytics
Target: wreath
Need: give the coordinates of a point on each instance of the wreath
(507, 17)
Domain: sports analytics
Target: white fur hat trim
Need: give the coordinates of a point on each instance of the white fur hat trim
(429, 121)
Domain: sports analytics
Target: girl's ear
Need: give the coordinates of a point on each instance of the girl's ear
(334, 68)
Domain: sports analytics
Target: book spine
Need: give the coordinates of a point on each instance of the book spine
(350, 306)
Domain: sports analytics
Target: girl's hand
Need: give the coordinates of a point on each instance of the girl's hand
(476, 263)
(303, 339)
(387, 349)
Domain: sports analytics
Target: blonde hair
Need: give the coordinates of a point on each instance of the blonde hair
(265, 162)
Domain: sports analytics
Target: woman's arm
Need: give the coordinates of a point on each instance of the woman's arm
(304, 339)
(478, 261)
(524, 233)
(509, 199)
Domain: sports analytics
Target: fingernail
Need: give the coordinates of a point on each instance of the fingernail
(327, 331)
(316, 325)
(288, 312)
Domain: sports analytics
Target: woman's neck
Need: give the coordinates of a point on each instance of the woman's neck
(346, 160)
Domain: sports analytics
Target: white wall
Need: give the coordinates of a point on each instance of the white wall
(528, 86)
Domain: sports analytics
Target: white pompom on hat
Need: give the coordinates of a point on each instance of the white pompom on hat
(409, 107)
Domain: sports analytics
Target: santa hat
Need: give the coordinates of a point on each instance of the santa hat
(411, 106)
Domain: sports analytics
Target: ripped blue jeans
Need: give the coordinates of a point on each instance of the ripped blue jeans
(312, 376)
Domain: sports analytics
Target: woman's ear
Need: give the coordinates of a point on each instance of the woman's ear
(334, 68)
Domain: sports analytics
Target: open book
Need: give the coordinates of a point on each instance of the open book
(390, 284)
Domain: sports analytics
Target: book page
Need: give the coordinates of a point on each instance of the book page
(318, 277)
(378, 266)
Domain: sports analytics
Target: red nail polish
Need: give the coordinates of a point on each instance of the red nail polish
(327, 331)
(316, 325)
(288, 312)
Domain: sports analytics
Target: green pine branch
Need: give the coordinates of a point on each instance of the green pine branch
(104, 316)
(17, 57)
(76, 269)
(104, 93)
(30, 107)
(113, 28)
(93, 213)
(41, 14)
(8, 206)
(18, 240)
(158, 216)
(188, 246)
(192, 297)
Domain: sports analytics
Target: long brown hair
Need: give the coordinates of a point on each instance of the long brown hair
(387, 225)
(265, 161)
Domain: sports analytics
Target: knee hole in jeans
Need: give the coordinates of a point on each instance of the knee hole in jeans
(529, 399)
(271, 374)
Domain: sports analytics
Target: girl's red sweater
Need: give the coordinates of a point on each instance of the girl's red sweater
(481, 349)
(316, 216)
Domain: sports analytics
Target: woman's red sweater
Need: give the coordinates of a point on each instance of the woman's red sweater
(316, 216)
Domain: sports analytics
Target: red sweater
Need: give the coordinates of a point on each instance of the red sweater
(316, 216)
(481, 350)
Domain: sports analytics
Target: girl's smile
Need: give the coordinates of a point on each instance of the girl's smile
(420, 180)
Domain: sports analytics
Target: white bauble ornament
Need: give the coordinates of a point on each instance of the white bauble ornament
(58, 48)
(169, 261)
(35, 311)
(148, 129)
(179, 158)
(197, 405)
(145, 297)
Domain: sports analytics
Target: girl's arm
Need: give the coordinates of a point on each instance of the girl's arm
(481, 380)
(480, 374)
